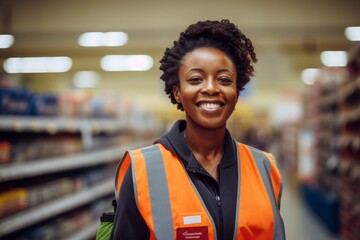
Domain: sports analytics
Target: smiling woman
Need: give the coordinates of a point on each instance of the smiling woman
(196, 180)
(207, 87)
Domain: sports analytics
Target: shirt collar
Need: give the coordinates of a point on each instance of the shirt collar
(175, 140)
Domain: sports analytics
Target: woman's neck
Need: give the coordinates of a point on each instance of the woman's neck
(206, 144)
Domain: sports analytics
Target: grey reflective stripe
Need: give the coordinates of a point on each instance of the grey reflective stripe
(267, 165)
(159, 194)
(133, 176)
(264, 167)
(238, 193)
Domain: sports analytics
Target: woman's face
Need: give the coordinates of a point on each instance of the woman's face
(207, 88)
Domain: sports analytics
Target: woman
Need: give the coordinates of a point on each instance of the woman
(196, 181)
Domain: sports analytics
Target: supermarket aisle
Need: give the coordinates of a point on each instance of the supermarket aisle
(300, 223)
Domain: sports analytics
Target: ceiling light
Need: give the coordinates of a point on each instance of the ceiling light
(6, 40)
(126, 63)
(103, 39)
(86, 79)
(334, 58)
(309, 75)
(352, 33)
(37, 64)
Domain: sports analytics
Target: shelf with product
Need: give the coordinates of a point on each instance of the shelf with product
(288, 150)
(52, 208)
(28, 190)
(306, 136)
(349, 145)
(319, 151)
(328, 132)
(333, 195)
(52, 165)
(63, 163)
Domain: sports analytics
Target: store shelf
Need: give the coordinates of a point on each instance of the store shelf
(63, 164)
(60, 124)
(350, 88)
(88, 232)
(59, 164)
(350, 115)
(86, 127)
(53, 208)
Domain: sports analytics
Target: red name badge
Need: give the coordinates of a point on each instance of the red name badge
(191, 233)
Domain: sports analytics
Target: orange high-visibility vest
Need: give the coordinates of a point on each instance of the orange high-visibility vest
(173, 209)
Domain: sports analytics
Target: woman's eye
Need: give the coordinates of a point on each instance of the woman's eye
(195, 79)
(225, 80)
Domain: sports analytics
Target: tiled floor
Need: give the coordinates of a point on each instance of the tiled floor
(300, 223)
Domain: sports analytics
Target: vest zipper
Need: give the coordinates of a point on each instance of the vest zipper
(218, 201)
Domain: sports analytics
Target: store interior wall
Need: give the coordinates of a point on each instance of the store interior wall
(288, 37)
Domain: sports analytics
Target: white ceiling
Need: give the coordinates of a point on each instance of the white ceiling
(288, 35)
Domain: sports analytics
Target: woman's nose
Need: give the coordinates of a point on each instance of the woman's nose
(210, 87)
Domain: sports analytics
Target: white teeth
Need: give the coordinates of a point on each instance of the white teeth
(210, 105)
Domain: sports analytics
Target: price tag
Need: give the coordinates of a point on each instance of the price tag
(71, 126)
(17, 125)
(95, 127)
(35, 126)
(51, 127)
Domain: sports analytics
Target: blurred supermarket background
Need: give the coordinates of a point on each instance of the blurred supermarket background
(79, 84)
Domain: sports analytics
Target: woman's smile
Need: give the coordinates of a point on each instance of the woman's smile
(210, 106)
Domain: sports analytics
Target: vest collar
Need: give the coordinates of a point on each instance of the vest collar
(175, 141)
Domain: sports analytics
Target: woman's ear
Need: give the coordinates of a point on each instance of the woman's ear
(176, 93)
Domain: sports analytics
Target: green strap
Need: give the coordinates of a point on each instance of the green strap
(104, 231)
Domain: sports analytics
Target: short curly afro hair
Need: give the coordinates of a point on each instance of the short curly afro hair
(222, 35)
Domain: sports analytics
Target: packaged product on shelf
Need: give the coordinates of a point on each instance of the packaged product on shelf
(62, 227)
(106, 140)
(15, 101)
(44, 105)
(30, 147)
(95, 175)
(65, 227)
(81, 218)
(12, 201)
(82, 104)
(24, 150)
(4, 152)
(18, 101)
(104, 107)
(71, 143)
(45, 232)
(74, 104)
(100, 206)
(50, 190)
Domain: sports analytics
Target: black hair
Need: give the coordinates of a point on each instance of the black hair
(222, 35)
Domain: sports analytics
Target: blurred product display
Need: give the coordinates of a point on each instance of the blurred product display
(58, 155)
(23, 102)
(349, 144)
(323, 150)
